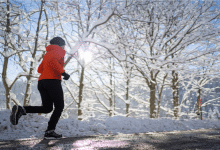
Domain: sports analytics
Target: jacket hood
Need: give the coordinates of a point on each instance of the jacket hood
(53, 47)
(55, 50)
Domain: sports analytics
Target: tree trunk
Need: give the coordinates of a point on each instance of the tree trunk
(127, 98)
(29, 82)
(45, 44)
(4, 80)
(80, 94)
(198, 102)
(158, 108)
(175, 89)
(152, 100)
(160, 95)
(5, 65)
(111, 106)
(111, 92)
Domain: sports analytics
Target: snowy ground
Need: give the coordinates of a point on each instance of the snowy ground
(33, 126)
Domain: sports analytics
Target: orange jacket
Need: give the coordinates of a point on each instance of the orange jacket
(52, 65)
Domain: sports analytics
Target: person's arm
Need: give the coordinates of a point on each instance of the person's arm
(40, 68)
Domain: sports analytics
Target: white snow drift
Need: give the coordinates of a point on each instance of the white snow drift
(33, 126)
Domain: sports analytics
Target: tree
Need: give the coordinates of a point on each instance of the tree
(10, 20)
(201, 72)
(33, 55)
(124, 37)
(90, 15)
(167, 30)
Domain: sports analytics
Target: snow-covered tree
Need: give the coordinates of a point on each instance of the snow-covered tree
(11, 14)
(37, 44)
(167, 30)
(86, 18)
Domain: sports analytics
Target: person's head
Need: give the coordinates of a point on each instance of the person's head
(58, 41)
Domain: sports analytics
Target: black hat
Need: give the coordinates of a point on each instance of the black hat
(57, 41)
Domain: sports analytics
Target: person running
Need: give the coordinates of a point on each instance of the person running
(49, 86)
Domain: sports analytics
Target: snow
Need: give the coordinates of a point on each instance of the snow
(105, 18)
(8, 82)
(7, 53)
(33, 126)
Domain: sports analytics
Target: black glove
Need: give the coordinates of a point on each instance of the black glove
(66, 76)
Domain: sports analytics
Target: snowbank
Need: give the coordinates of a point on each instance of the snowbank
(33, 126)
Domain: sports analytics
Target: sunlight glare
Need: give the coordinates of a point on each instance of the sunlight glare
(86, 56)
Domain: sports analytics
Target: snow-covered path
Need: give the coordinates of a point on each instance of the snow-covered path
(33, 126)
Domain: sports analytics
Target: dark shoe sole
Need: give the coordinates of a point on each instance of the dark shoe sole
(13, 115)
(52, 138)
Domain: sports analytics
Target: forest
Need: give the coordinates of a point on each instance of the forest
(132, 58)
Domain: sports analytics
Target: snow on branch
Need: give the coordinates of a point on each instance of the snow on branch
(99, 22)
(107, 46)
(13, 98)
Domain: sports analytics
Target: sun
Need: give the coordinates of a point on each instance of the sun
(84, 53)
(85, 56)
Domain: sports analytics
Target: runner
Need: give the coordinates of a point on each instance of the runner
(49, 86)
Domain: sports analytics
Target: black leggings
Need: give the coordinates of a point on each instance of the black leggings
(51, 93)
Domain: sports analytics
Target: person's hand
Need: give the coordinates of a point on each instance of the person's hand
(66, 76)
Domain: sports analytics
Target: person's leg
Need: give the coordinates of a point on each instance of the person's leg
(18, 111)
(45, 97)
(55, 91)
